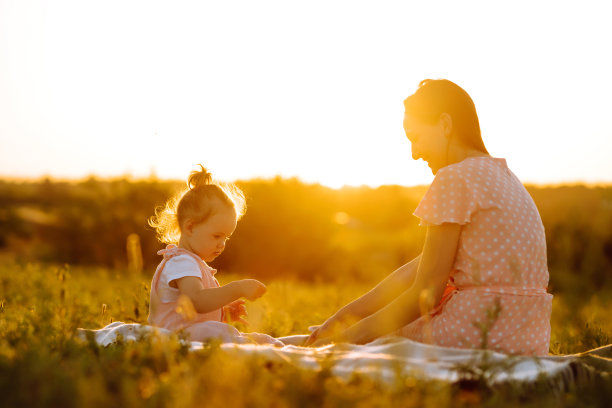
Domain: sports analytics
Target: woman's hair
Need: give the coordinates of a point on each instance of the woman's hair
(437, 96)
(197, 201)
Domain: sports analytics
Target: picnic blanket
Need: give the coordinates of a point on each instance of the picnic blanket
(389, 358)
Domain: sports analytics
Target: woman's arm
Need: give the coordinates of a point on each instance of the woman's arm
(383, 293)
(378, 297)
(432, 274)
(208, 299)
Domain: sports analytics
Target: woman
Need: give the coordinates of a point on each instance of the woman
(480, 281)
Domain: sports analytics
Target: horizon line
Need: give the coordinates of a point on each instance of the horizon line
(154, 177)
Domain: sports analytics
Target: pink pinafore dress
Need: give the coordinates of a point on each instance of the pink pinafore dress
(199, 326)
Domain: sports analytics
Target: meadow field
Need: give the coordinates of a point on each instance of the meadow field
(64, 265)
(42, 363)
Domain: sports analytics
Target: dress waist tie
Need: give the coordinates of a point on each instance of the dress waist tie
(450, 290)
(503, 290)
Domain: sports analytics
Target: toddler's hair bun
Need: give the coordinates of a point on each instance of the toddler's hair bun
(199, 178)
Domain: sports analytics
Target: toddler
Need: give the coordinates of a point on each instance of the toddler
(185, 295)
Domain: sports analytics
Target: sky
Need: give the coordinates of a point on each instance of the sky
(308, 89)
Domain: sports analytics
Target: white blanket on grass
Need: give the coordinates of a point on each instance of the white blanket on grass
(383, 360)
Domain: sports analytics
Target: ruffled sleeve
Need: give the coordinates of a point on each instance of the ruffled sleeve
(180, 266)
(453, 197)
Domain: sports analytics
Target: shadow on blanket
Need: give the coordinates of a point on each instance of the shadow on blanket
(390, 358)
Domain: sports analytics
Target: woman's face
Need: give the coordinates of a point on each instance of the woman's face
(429, 142)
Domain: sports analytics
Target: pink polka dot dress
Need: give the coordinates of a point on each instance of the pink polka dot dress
(496, 295)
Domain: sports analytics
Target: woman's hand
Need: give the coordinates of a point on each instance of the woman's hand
(313, 336)
(321, 342)
(235, 312)
(358, 333)
(331, 327)
(251, 289)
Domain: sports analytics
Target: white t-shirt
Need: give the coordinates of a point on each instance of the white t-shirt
(175, 268)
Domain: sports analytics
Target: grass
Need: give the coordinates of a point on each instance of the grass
(42, 363)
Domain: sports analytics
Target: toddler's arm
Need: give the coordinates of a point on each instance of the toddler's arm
(208, 299)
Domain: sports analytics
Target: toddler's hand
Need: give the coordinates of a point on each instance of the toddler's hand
(236, 310)
(252, 289)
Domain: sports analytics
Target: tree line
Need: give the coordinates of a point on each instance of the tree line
(291, 229)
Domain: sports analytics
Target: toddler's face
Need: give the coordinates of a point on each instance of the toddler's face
(207, 239)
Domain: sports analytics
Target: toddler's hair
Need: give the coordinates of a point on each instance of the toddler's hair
(197, 202)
